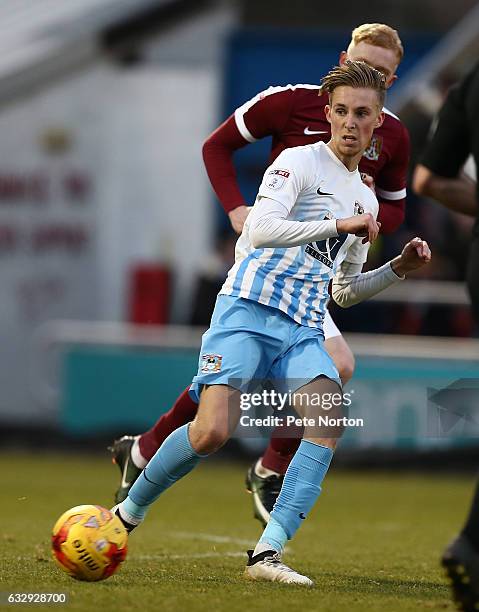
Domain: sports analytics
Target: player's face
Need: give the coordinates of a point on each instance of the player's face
(382, 59)
(354, 113)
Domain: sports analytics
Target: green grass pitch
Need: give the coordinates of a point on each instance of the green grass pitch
(372, 542)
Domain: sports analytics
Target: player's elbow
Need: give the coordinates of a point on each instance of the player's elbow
(208, 146)
(342, 302)
(423, 181)
(342, 296)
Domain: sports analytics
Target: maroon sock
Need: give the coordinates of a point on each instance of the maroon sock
(281, 449)
(183, 411)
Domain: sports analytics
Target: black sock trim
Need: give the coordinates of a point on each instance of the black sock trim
(252, 559)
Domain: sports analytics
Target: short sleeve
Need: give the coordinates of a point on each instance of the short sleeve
(448, 147)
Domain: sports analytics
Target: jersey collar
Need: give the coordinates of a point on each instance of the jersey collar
(339, 162)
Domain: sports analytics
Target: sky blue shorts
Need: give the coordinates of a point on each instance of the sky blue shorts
(250, 341)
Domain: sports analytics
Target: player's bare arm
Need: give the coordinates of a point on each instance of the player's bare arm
(458, 194)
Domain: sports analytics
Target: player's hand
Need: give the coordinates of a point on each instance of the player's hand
(368, 181)
(415, 254)
(238, 217)
(364, 225)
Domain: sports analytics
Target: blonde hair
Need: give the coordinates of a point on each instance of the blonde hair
(379, 35)
(356, 75)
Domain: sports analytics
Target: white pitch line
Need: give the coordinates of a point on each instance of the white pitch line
(211, 537)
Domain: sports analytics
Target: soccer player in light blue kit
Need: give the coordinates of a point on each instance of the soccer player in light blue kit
(312, 222)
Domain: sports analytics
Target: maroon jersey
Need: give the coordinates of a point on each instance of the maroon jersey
(294, 116)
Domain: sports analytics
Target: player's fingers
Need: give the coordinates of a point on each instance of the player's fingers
(423, 251)
(426, 251)
(414, 246)
(421, 248)
(417, 248)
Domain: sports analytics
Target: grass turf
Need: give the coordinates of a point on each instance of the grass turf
(371, 543)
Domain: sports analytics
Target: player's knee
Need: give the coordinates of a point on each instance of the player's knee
(209, 440)
(345, 364)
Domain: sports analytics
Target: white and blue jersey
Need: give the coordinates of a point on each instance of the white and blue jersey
(304, 184)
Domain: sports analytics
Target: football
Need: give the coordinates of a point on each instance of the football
(89, 543)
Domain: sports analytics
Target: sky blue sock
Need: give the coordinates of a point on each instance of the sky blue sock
(301, 488)
(173, 460)
(274, 535)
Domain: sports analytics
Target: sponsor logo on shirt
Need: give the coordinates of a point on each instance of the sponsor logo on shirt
(211, 363)
(320, 191)
(374, 150)
(309, 132)
(276, 178)
(327, 250)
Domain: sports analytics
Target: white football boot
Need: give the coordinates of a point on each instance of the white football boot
(267, 565)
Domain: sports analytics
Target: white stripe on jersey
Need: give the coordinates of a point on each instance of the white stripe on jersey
(288, 299)
(244, 108)
(303, 300)
(391, 195)
(388, 112)
(241, 125)
(287, 260)
(294, 298)
(251, 272)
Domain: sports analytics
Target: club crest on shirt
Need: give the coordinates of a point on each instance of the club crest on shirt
(374, 150)
(276, 178)
(358, 208)
(211, 363)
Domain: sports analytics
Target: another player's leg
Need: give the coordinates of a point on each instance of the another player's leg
(300, 490)
(132, 453)
(461, 560)
(216, 418)
(265, 477)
